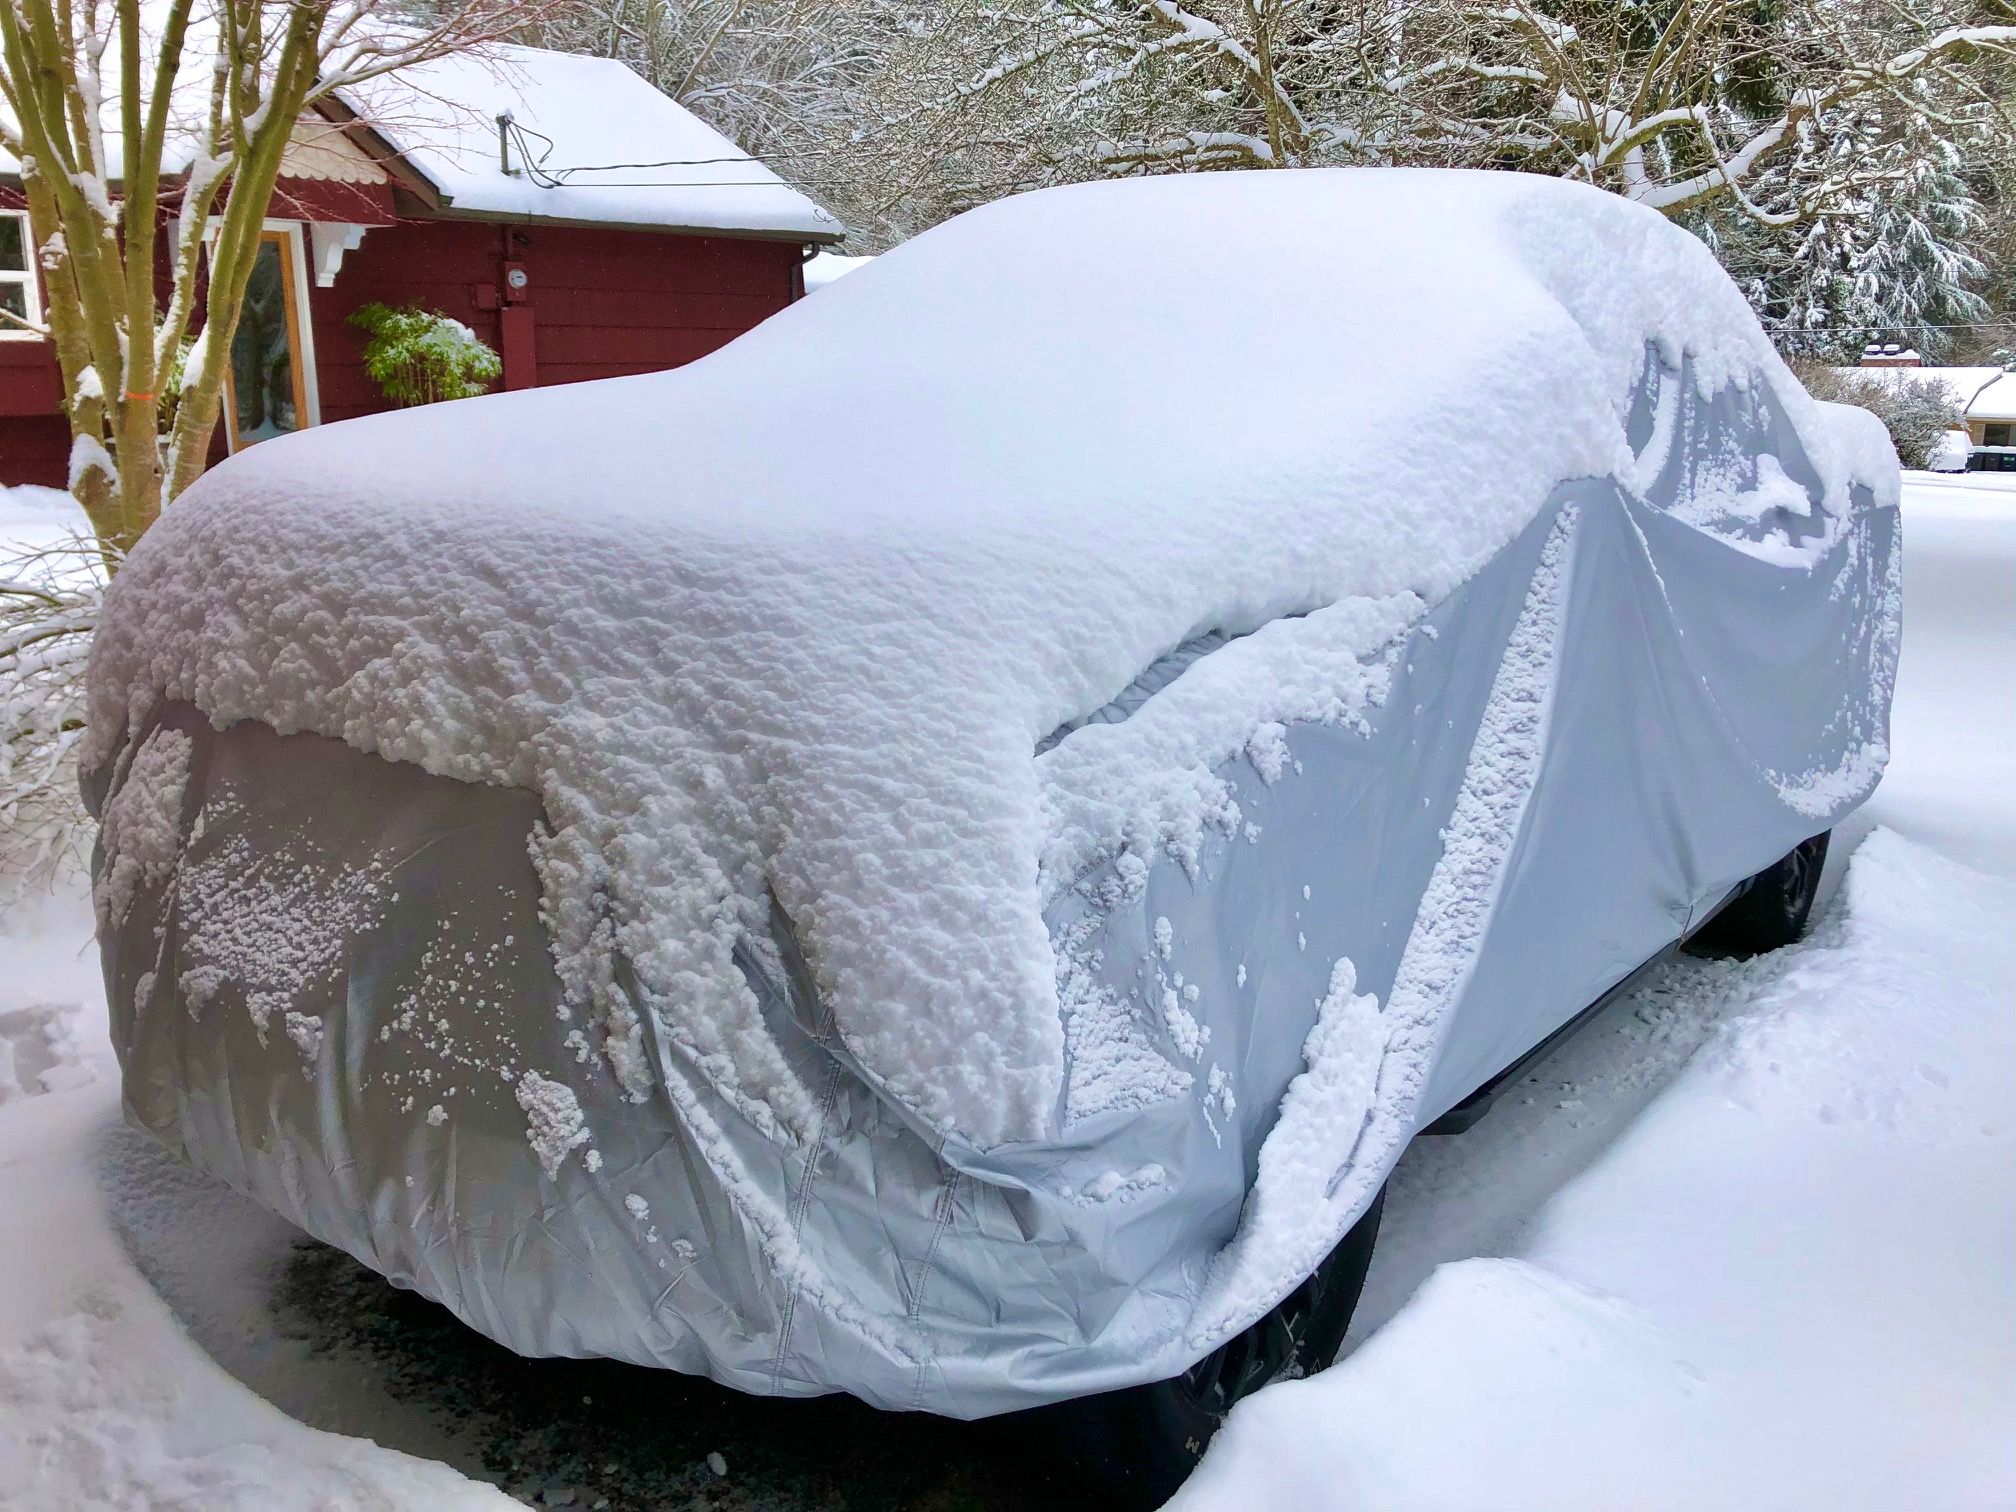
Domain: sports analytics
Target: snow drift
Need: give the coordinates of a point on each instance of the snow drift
(1668, 1333)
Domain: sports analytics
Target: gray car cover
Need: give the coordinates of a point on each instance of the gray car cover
(1626, 712)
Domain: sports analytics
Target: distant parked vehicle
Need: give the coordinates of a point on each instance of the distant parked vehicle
(1951, 454)
(943, 851)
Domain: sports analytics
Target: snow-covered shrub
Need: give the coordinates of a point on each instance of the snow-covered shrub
(1918, 412)
(420, 356)
(49, 601)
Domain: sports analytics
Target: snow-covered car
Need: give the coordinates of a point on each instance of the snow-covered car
(943, 851)
(1951, 451)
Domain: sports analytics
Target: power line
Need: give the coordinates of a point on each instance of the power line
(1908, 325)
(563, 178)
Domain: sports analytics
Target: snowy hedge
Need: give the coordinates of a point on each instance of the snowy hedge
(1918, 412)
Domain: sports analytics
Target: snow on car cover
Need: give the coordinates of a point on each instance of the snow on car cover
(1029, 754)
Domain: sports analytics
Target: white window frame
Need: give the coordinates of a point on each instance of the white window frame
(29, 278)
(304, 352)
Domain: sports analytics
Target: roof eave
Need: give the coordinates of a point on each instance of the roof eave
(824, 238)
(404, 171)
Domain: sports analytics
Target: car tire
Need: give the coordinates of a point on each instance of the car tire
(1771, 911)
(1142, 1443)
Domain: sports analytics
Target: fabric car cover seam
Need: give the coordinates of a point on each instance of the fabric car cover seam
(1545, 610)
(947, 1203)
(801, 1200)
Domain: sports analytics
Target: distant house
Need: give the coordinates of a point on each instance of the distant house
(1990, 397)
(1987, 397)
(504, 192)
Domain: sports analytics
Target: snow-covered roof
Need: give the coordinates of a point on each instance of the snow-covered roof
(1993, 398)
(573, 113)
(590, 142)
(791, 620)
(1988, 393)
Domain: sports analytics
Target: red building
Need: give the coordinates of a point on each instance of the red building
(577, 220)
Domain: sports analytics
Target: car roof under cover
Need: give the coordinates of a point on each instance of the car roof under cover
(790, 622)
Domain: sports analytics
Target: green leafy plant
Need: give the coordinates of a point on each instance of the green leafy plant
(420, 356)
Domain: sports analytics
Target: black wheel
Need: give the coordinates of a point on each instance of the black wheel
(1772, 909)
(1143, 1443)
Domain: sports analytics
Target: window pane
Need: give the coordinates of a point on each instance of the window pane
(13, 298)
(13, 243)
(262, 353)
(1995, 435)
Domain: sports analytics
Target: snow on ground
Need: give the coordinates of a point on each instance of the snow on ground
(1953, 779)
(104, 1401)
(51, 1039)
(1787, 1283)
(31, 515)
(1742, 1243)
(1787, 1286)
(42, 520)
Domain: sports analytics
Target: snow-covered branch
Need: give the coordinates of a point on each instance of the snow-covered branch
(48, 611)
(1679, 108)
(1614, 139)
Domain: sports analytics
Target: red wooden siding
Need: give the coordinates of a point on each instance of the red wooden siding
(602, 303)
(615, 302)
(34, 449)
(29, 382)
(438, 264)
